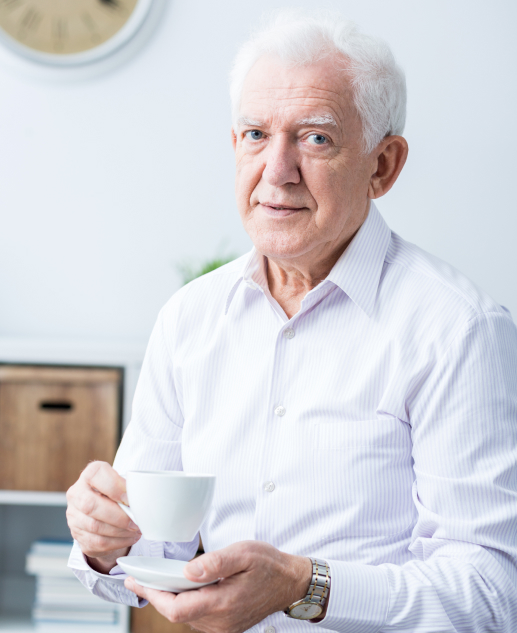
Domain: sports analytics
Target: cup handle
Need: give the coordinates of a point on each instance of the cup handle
(127, 511)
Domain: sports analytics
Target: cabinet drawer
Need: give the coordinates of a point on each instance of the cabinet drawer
(53, 421)
(148, 620)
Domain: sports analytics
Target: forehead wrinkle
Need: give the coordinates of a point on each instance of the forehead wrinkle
(337, 102)
(333, 115)
(303, 92)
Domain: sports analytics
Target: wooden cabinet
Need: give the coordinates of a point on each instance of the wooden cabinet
(148, 620)
(53, 421)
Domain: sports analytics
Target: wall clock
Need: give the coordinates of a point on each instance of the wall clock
(70, 32)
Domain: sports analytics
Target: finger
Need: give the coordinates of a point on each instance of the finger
(177, 608)
(79, 520)
(97, 506)
(218, 564)
(96, 546)
(162, 600)
(103, 477)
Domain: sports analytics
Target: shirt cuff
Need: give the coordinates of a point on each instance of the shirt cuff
(110, 586)
(358, 600)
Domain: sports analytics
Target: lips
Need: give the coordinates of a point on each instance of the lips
(279, 210)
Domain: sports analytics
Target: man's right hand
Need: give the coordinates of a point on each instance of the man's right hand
(103, 531)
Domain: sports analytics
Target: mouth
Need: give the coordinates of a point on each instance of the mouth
(279, 210)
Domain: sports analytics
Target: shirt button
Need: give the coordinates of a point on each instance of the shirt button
(280, 411)
(269, 486)
(269, 629)
(289, 333)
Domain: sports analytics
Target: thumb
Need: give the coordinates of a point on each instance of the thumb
(214, 565)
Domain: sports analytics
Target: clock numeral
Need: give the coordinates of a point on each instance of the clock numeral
(60, 32)
(11, 4)
(88, 21)
(30, 21)
(90, 24)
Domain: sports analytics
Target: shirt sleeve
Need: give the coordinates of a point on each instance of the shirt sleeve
(152, 441)
(463, 577)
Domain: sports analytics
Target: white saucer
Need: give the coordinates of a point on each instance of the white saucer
(164, 574)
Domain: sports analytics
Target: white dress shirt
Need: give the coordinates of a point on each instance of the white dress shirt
(376, 429)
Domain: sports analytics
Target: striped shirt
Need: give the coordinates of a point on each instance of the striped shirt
(376, 429)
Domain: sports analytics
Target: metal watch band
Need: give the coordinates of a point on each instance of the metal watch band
(319, 587)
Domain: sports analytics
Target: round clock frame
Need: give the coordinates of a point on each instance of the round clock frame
(114, 50)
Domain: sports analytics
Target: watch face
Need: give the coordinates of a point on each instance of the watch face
(306, 611)
(64, 27)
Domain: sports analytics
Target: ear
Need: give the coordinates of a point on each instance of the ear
(389, 157)
(234, 139)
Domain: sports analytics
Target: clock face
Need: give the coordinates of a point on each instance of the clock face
(64, 27)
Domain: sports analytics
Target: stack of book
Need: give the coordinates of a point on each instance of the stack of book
(62, 604)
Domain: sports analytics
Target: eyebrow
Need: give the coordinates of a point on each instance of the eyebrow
(323, 119)
(242, 120)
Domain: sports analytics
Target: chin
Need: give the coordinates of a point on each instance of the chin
(279, 245)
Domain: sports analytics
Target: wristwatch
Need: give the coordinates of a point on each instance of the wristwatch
(314, 602)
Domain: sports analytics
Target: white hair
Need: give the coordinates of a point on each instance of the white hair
(300, 38)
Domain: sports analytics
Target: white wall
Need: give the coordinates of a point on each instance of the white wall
(107, 183)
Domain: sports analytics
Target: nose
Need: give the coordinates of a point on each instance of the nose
(282, 166)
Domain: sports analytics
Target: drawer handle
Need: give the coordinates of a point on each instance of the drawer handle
(56, 405)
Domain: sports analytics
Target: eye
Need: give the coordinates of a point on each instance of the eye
(317, 139)
(254, 135)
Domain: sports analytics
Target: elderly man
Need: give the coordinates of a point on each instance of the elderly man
(355, 396)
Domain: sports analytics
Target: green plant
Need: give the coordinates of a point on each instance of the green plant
(192, 271)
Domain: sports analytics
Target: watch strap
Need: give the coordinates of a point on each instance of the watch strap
(319, 587)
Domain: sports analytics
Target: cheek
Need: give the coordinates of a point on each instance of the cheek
(333, 183)
(327, 186)
(247, 176)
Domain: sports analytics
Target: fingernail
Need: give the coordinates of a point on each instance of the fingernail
(124, 499)
(133, 526)
(195, 569)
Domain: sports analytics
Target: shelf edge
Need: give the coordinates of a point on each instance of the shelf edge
(32, 498)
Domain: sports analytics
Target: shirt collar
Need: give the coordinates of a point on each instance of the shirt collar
(357, 272)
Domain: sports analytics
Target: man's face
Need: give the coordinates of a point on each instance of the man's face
(302, 182)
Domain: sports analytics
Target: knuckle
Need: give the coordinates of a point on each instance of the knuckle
(70, 493)
(215, 560)
(172, 615)
(91, 469)
(98, 543)
(93, 526)
(87, 504)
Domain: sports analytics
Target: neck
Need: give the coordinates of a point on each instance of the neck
(290, 280)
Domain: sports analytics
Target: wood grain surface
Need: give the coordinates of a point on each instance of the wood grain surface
(148, 620)
(53, 421)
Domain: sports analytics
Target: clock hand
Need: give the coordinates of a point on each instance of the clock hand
(110, 3)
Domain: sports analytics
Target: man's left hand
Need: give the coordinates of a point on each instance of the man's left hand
(256, 581)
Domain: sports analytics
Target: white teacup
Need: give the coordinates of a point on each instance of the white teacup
(168, 505)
